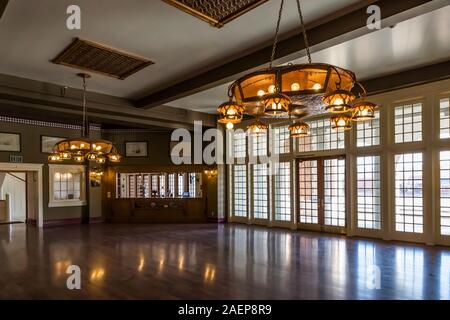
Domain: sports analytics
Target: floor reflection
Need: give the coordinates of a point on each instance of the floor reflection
(216, 262)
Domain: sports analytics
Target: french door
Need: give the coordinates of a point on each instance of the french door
(321, 194)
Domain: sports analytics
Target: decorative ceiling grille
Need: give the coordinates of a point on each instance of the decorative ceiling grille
(216, 12)
(94, 57)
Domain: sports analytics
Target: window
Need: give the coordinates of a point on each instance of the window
(444, 116)
(158, 185)
(180, 184)
(162, 185)
(368, 198)
(281, 140)
(368, 132)
(192, 185)
(308, 192)
(260, 196)
(445, 192)
(321, 137)
(259, 144)
(408, 193)
(171, 185)
(67, 185)
(240, 150)
(240, 191)
(282, 191)
(408, 123)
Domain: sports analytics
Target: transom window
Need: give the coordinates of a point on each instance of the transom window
(260, 194)
(368, 132)
(259, 144)
(444, 116)
(281, 140)
(282, 191)
(240, 146)
(368, 198)
(321, 137)
(445, 192)
(408, 193)
(408, 123)
(240, 190)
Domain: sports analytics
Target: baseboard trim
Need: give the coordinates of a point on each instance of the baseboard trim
(61, 222)
(97, 220)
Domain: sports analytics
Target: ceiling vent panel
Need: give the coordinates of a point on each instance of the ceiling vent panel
(94, 57)
(216, 12)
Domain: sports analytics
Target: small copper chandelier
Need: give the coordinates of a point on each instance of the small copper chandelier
(85, 148)
(297, 91)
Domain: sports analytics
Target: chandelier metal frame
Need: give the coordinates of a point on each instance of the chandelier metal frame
(296, 91)
(85, 148)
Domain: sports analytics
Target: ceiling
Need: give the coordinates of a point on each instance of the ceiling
(179, 44)
(416, 42)
(186, 50)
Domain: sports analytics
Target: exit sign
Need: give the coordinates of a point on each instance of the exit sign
(15, 158)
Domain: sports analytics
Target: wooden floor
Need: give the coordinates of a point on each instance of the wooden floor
(214, 262)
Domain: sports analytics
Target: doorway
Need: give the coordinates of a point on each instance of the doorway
(21, 193)
(321, 194)
(13, 197)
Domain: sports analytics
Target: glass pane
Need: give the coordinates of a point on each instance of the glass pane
(282, 191)
(334, 192)
(408, 123)
(260, 195)
(368, 192)
(408, 193)
(308, 192)
(240, 191)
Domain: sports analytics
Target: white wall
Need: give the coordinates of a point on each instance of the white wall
(16, 189)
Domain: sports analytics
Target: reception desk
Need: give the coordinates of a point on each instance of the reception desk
(156, 210)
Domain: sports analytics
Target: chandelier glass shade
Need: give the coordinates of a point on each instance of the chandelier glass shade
(276, 104)
(299, 129)
(364, 111)
(258, 128)
(230, 112)
(339, 101)
(84, 147)
(341, 122)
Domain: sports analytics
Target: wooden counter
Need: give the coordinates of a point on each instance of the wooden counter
(153, 210)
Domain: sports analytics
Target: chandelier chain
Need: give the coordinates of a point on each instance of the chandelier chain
(305, 37)
(275, 41)
(84, 108)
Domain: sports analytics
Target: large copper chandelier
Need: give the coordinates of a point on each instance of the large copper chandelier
(297, 91)
(85, 148)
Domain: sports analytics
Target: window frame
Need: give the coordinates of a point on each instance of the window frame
(61, 168)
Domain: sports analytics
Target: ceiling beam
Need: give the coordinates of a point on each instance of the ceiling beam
(408, 78)
(3, 4)
(19, 97)
(338, 30)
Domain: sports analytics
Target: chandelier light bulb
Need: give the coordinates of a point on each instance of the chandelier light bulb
(229, 126)
(317, 86)
(295, 86)
(271, 89)
(261, 93)
(339, 102)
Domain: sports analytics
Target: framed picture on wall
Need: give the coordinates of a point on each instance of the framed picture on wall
(9, 141)
(135, 149)
(48, 142)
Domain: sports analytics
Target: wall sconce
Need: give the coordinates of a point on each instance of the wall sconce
(96, 176)
(211, 173)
